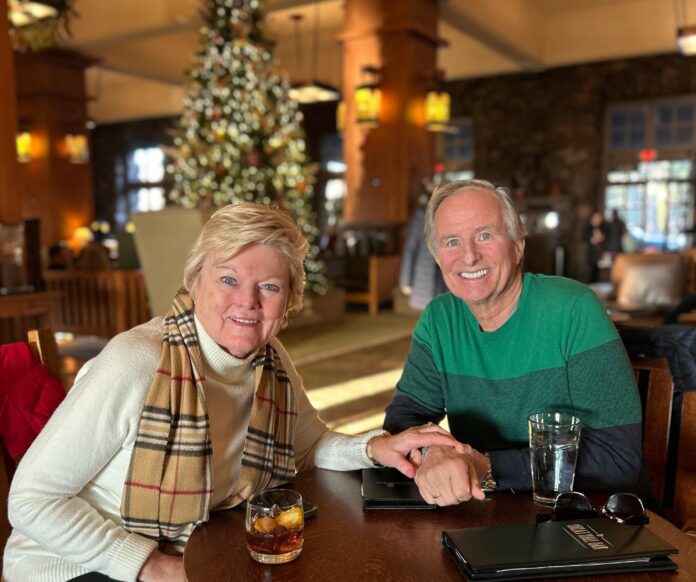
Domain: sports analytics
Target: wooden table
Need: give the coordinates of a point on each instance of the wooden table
(345, 543)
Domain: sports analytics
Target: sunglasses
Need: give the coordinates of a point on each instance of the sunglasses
(625, 508)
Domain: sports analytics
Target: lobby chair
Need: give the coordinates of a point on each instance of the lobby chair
(382, 279)
(669, 439)
(42, 345)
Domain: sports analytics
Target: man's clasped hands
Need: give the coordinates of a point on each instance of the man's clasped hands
(446, 471)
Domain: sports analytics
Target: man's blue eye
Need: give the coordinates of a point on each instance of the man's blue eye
(486, 236)
(453, 242)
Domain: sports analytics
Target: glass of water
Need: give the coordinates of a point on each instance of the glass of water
(553, 439)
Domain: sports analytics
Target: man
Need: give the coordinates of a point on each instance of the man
(503, 345)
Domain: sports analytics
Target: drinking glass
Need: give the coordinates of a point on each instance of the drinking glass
(275, 526)
(553, 439)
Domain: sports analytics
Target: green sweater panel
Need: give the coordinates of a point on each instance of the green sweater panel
(558, 352)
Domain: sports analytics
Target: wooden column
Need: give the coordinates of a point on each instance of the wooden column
(52, 103)
(10, 202)
(385, 165)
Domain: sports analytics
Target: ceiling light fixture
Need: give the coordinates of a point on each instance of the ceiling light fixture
(686, 33)
(311, 91)
(686, 40)
(36, 24)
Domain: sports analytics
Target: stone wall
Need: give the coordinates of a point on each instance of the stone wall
(541, 134)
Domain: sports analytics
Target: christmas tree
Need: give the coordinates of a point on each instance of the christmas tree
(240, 137)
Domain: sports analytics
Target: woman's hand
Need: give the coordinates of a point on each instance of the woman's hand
(396, 450)
(160, 567)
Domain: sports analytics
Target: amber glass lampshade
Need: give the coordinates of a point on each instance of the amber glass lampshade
(77, 148)
(368, 102)
(437, 110)
(23, 145)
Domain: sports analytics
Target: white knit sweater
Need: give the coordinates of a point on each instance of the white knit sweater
(65, 498)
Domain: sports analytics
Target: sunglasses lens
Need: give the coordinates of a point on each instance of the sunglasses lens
(627, 508)
(572, 505)
(573, 501)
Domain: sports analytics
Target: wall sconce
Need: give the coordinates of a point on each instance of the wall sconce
(23, 145)
(368, 99)
(437, 104)
(341, 116)
(437, 110)
(77, 148)
(80, 237)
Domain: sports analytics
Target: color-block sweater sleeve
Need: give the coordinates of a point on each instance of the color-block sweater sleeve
(98, 416)
(559, 353)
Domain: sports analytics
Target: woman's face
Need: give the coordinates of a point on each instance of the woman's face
(241, 302)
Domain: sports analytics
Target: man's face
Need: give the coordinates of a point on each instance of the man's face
(242, 301)
(479, 260)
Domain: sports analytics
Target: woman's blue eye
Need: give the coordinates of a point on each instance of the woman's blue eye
(228, 280)
(270, 287)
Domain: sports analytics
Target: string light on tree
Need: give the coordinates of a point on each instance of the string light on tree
(240, 136)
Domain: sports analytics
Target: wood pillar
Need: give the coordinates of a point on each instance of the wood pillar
(10, 202)
(52, 103)
(385, 165)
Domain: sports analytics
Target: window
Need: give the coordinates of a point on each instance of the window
(332, 178)
(649, 170)
(144, 183)
(456, 150)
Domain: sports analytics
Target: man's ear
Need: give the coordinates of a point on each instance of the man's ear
(519, 245)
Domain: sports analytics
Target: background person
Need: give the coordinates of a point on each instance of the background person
(594, 235)
(94, 256)
(420, 277)
(503, 345)
(185, 414)
(614, 231)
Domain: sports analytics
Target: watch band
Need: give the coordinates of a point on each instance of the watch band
(368, 449)
(488, 483)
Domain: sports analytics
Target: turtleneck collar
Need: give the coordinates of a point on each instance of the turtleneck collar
(219, 362)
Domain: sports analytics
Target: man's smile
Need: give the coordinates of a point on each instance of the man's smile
(475, 274)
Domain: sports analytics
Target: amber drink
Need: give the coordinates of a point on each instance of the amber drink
(275, 526)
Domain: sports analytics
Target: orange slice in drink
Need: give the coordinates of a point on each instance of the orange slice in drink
(291, 518)
(265, 524)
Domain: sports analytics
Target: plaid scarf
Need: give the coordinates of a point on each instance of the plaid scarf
(169, 483)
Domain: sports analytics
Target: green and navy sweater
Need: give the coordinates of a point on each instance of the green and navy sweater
(558, 352)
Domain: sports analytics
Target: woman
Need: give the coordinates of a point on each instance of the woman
(187, 413)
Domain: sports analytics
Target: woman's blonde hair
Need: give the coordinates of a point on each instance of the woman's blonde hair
(237, 226)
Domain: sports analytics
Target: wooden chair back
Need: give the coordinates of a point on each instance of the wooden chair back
(43, 345)
(669, 439)
(657, 394)
(382, 278)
